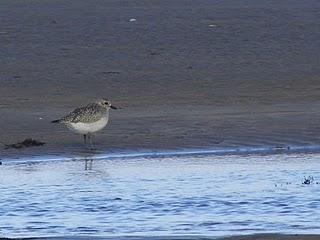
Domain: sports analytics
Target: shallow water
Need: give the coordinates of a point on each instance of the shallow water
(184, 195)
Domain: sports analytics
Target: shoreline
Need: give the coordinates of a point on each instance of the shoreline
(224, 130)
(93, 155)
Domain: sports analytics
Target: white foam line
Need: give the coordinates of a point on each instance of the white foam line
(126, 155)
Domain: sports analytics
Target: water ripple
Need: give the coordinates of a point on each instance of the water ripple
(207, 195)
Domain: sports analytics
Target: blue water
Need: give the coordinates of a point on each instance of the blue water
(143, 196)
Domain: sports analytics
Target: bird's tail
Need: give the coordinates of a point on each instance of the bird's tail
(56, 121)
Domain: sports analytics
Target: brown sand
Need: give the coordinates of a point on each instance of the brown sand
(188, 74)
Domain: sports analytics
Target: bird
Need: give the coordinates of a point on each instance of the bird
(88, 119)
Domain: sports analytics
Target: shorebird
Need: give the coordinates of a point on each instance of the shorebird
(88, 119)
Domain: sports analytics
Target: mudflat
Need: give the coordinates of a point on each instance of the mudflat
(187, 74)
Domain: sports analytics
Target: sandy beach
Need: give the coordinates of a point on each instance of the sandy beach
(188, 74)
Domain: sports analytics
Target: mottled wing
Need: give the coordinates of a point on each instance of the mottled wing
(87, 114)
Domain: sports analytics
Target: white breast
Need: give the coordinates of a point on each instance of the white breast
(85, 128)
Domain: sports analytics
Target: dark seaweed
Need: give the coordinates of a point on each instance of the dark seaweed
(28, 142)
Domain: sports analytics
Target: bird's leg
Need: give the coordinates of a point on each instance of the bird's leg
(91, 142)
(85, 139)
(89, 139)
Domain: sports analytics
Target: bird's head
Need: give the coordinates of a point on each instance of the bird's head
(106, 104)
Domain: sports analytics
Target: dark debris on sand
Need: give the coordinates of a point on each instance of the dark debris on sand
(28, 142)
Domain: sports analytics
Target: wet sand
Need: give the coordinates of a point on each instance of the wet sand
(188, 74)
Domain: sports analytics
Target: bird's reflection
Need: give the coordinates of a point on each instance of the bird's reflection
(88, 164)
(87, 156)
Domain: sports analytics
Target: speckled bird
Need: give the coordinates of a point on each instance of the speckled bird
(88, 119)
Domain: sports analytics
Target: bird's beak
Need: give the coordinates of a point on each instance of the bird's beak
(113, 107)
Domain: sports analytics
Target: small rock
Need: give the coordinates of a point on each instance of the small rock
(307, 181)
